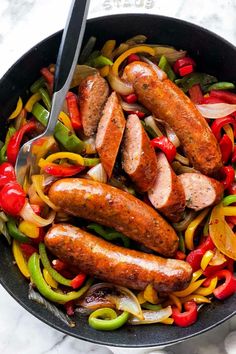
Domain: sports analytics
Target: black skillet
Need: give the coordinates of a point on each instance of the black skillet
(215, 56)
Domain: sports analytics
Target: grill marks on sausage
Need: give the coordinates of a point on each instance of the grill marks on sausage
(93, 93)
(167, 195)
(110, 131)
(138, 157)
(167, 102)
(115, 264)
(115, 208)
(200, 191)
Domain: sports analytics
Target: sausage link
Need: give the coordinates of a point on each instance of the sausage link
(115, 264)
(115, 208)
(168, 102)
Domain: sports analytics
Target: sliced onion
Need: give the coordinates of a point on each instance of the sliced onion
(216, 110)
(183, 224)
(133, 107)
(106, 294)
(97, 173)
(182, 159)
(28, 214)
(120, 86)
(80, 73)
(172, 136)
(170, 53)
(150, 122)
(90, 145)
(152, 316)
(160, 73)
(38, 182)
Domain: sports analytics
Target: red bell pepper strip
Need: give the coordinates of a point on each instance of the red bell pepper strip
(180, 255)
(234, 155)
(78, 281)
(36, 208)
(186, 318)
(207, 100)
(228, 176)
(232, 188)
(226, 96)
(49, 78)
(228, 288)
(62, 170)
(58, 265)
(141, 115)
(28, 250)
(13, 146)
(131, 98)
(194, 259)
(164, 144)
(185, 70)
(72, 104)
(7, 174)
(12, 198)
(70, 308)
(180, 63)
(211, 271)
(225, 148)
(218, 124)
(133, 57)
(206, 245)
(195, 94)
(230, 264)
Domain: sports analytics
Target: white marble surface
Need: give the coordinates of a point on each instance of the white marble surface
(23, 23)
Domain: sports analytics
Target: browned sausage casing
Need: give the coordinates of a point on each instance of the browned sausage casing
(115, 208)
(138, 156)
(92, 94)
(167, 194)
(167, 102)
(110, 131)
(99, 258)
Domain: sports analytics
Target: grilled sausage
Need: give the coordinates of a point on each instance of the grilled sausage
(167, 194)
(99, 258)
(138, 156)
(166, 101)
(200, 191)
(93, 93)
(115, 208)
(110, 131)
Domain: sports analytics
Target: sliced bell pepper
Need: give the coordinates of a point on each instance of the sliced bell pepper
(218, 124)
(37, 85)
(194, 259)
(133, 57)
(228, 288)
(207, 290)
(106, 319)
(27, 250)
(211, 270)
(185, 70)
(49, 280)
(29, 229)
(45, 97)
(18, 109)
(186, 318)
(225, 148)
(19, 258)
(12, 198)
(15, 232)
(226, 96)
(164, 144)
(69, 140)
(78, 281)
(228, 174)
(72, 105)
(189, 232)
(63, 170)
(7, 174)
(223, 85)
(13, 146)
(195, 94)
(234, 155)
(165, 66)
(190, 289)
(131, 98)
(49, 78)
(210, 100)
(150, 294)
(207, 257)
(183, 62)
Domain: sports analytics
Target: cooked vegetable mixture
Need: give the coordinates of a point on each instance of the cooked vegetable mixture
(128, 215)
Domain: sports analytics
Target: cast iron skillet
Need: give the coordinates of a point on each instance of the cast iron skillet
(215, 56)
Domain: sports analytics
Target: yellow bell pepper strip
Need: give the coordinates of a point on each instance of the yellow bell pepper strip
(18, 109)
(29, 229)
(104, 71)
(32, 100)
(44, 288)
(190, 289)
(67, 139)
(176, 301)
(167, 321)
(47, 265)
(150, 294)
(63, 117)
(66, 155)
(207, 257)
(140, 298)
(123, 56)
(19, 258)
(61, 170)
(209, 290)
(221, 234)
(229, 211)
(199, 299)
(189, 233)
(15, 232)
(196, 275)
(38, 185)
(107, 50)
(106, 319)
(49, 280)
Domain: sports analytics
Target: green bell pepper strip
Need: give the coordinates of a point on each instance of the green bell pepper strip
(152, 307)
(44, 288)
(11, 131)
(100, 61)
(46, 263)
(69, 140)
(165, 66)
(3, 154)
(37, 85)
(204, 80)
(106, 319)
(229, 199)
(15, 233)
(221, 86)
(108, 234)
(91, 161)
(45, 97)
(181, 242)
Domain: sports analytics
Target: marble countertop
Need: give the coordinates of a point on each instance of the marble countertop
(23, 23)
